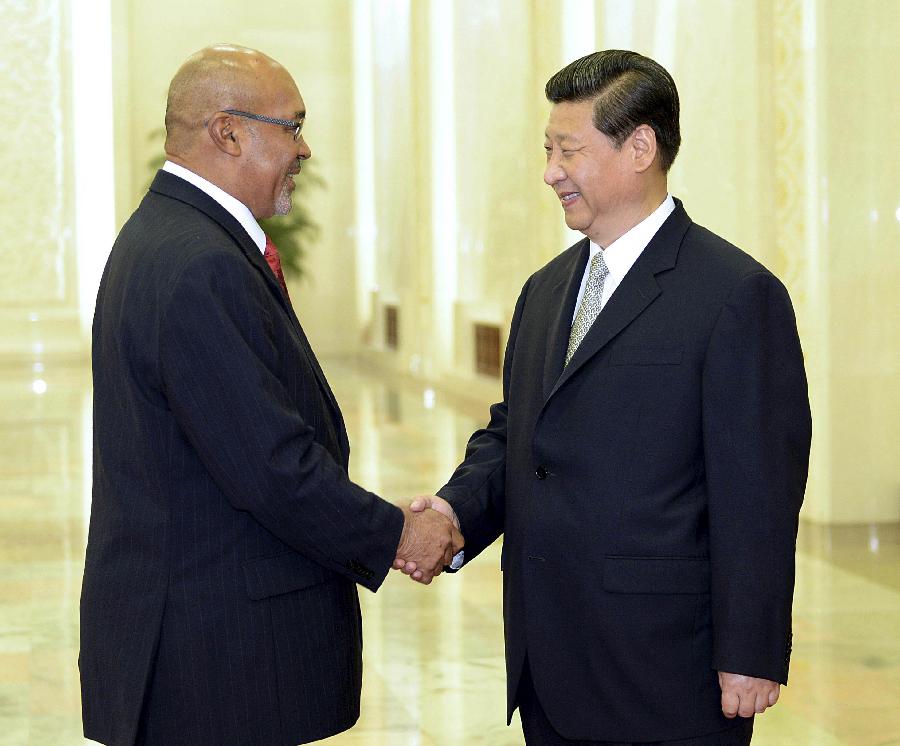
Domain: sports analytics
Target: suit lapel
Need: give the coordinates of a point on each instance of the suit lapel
(566, 288)
(638, 289)
(177, 188)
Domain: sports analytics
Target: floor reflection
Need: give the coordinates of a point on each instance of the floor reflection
(434, 662)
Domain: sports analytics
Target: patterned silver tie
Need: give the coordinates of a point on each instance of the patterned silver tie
(590, 303)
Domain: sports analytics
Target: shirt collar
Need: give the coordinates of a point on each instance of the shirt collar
(622, 253)
(235, 207)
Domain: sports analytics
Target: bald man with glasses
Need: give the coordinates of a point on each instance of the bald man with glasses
(219, 601)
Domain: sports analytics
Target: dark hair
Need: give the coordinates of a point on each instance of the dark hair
(629, 90)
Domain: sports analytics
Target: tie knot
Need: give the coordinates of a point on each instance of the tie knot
(598, 264)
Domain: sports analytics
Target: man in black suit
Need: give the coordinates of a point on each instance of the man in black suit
(648, 461)
(219, 601)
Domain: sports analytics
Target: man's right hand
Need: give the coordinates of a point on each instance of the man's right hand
(428, 542)
(426, 504)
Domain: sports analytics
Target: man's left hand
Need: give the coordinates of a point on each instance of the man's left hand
(746, 695)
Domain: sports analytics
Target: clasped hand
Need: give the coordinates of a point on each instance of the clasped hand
(429, 541)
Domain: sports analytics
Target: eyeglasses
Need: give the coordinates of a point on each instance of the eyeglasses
(295, 125)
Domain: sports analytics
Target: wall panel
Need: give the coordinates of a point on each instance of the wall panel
(38, 285)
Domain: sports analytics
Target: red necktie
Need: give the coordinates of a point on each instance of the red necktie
(274, 262)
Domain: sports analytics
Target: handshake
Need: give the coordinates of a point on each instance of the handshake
(430, 538)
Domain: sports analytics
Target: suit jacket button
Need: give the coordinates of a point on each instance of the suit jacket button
(540, 472)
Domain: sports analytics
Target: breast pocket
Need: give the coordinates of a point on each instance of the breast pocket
(648, 355)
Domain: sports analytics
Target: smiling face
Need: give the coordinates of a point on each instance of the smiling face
(596, 182)
(272, 156)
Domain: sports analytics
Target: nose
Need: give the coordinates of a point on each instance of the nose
(553, 173)
(303, 151)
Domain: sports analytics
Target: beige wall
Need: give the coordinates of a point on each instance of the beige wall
(426, 121)
(857, 260)
(38, 285)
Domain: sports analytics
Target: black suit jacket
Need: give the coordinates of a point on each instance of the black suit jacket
(219, 602)
(649, 493)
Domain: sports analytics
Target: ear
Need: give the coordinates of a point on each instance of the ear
(223, 133)
(643, 147)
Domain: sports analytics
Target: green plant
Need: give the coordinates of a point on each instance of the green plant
(292, 233)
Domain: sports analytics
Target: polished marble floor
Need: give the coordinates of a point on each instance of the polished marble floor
(433, 656)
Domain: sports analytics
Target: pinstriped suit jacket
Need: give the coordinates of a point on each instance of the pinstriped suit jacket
(219, 602)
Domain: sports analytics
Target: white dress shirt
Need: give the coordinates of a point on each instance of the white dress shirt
(238, 209)
(622, 253)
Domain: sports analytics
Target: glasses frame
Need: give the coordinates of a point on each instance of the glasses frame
(297, 125)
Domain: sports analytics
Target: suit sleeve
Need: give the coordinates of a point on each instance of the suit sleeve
(219, 366)
(477, 489)
(756, 433)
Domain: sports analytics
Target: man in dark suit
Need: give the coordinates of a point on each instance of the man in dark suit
(219, 601)
(648, 461)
